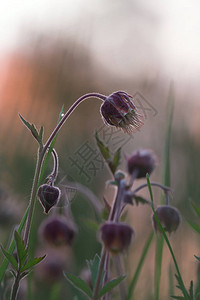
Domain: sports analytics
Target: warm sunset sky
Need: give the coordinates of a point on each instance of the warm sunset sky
(169, 31)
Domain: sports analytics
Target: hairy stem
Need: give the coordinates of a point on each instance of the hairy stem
(40, 158)
(100, 272)
(15, 287)
(68, 113)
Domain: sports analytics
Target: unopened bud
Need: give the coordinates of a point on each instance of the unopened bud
(116, 237)
(142, 162)
(169, 218)
(48, 196)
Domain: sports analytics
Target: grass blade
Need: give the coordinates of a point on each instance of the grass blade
(139, 267)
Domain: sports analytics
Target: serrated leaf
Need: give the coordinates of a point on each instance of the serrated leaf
(32, 262)
(10, 258)
(26, 123)
(103, 149)
(22, 252)
(79, 284)
(110, 285)
(94, 267)
(32, 128)
(116, 160)
(194, 226)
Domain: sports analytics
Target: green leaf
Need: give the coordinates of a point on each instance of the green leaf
(116, 160)
(110, 285)
(194, 226)
(32, 128)
(79, 284)
(41, 133)
(177, 297)
(94, 267)
(10, 258)
(11, 249)
(22, 252)
(103, 149)
(32, 262)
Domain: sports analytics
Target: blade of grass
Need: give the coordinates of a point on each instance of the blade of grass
(167, 242)
(166, 182)
(139, 267)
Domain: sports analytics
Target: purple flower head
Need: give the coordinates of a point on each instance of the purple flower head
(58, 231)
(118, 110)
(116, 237)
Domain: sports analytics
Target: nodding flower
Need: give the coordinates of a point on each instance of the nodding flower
(116, 236)
(118, 110)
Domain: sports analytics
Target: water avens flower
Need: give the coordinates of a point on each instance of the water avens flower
(169, 218)
(116, 236)
(118, 110)
(142, 162)
(48, 196)
(58, 231)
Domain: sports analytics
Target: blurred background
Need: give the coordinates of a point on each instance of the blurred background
(52, 52)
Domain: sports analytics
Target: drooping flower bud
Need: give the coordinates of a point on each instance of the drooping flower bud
(116, 237)
(169, 218)
(58, 231)
(142, 162)
(118, 110)
(48, 196)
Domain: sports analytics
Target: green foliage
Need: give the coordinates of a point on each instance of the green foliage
(110, 285)
(94, 267)
(112, 163)
(34, 131)
(22, 265)
(79, 284)
(139, 267)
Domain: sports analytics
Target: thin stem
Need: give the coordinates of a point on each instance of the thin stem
(40, 158)
(133, 177)
(68, 113)
(53, 175)
(116, 207)
(163, 187)
(100, 271)
(107, 272)
(122, 288)
(15, 287)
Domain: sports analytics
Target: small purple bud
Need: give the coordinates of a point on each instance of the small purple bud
(116, 237)
(118, 110)
(169, 218)
(142, 162)
(48, 196)
(58, 231)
